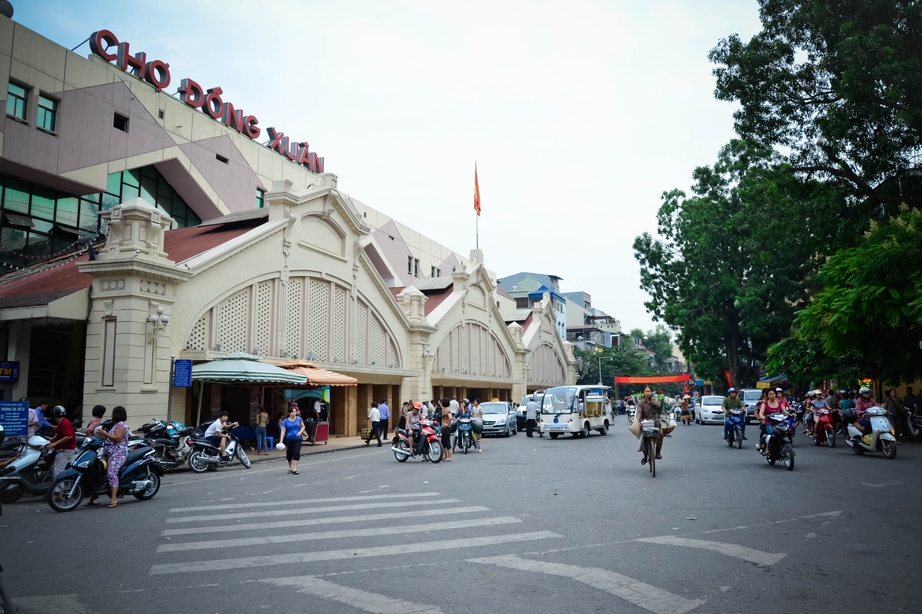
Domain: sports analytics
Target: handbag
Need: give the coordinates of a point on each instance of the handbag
(477, 426)
(367, 433)
(635, 428)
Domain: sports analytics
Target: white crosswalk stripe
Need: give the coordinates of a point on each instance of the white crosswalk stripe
(357, 598)
(764, 559)
(239, 506)
(309, 510)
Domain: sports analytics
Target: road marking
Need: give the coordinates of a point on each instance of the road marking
(308, 510)
(764, 559)
(59, 604)
(214, 508)
(643, 595)
(397, 550)
(307, 522)
(284, 539)
(353, 597)
(834, 514)
(880, 485)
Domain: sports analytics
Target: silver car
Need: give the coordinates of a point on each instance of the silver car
(498, 418)
(711, 410)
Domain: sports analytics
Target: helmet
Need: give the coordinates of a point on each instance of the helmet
(731, 390)
(58, 411)
(864, 390)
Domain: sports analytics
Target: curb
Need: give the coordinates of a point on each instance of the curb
(312, 451)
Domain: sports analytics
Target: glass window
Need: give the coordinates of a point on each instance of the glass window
(16, 197)
(16, 98)
(66, 212)
(45, 116)
(260, 199)
(42, 203)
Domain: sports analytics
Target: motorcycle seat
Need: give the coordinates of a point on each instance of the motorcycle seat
(135, 455)
(165, 442)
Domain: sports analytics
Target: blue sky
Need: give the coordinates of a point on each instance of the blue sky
(579, 113)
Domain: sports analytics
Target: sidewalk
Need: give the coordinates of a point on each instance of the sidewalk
(334, 444)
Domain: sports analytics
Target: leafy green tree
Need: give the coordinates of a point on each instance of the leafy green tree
(840, 85)
(659, 341)
(728, 272)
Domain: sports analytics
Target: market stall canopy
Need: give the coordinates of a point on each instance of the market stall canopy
(317, 376)
(241, 368)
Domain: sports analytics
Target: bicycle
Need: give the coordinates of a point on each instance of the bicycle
(651, 435)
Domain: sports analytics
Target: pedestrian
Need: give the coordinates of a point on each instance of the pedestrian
(292, 430)
(477, 415)
(684, 414)
(385, 412)
(32, 423)
(375, 416)
(894, 406)
(41, 422)
(99, 412)
(262, 421)
(910, 401)
(115, 452)
(64, 440)
(446, 419)
(531, 417)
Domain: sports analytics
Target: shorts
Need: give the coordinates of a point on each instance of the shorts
(214, 440)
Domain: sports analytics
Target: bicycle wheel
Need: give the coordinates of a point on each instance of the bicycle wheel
(651, 450)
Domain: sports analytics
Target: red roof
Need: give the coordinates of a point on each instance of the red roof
(48, 284)
(435, 297)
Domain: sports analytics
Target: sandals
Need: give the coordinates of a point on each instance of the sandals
(295, 473)
(91, 503)
(643, 461)
(658, 457)
(289, 471)
(113, 505)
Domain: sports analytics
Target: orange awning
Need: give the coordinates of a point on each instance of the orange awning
(317, 376)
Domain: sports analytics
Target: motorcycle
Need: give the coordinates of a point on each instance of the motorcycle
(431, 442)
(881, 438)
(777, 446)
(29, 472)
(464, 439)
(171, 442)
(139, 476)
(206, 456)
(824, 429)
(733, 430)
(913, 425)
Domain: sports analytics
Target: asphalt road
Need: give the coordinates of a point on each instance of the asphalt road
(528, 526)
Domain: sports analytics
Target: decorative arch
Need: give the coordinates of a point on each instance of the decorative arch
(547, 366)
(320, 232)
(471, 348)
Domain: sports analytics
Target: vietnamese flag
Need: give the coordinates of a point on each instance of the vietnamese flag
(476, 191)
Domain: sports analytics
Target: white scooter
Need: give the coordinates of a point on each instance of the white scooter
(29, 472)
(882, 438)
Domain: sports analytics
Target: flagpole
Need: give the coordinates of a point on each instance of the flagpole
(476, 213)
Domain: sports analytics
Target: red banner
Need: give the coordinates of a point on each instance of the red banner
(729, 378)
(654, 379)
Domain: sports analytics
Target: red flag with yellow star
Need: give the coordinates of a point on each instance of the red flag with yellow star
(476, 191)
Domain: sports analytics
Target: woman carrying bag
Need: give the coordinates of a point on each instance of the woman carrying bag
(292, 430)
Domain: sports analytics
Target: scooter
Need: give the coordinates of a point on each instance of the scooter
(171, 442)
(824, 429)
(432, 444)
(30, 472)
(139, 476)
(777, 446)
(913, 425)
(881, 438)
(733, 429)
(464, 439)
(206, 456)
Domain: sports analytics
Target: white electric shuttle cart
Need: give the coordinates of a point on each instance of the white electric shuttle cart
(577, 410)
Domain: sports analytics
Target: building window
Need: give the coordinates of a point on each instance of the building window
(16, 98)
(46, 116)
(260, 199)
(416, 267)
(436, 272)
(409, 265)
(120, 122)
(221, 159)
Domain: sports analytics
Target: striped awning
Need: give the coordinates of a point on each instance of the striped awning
(317, 376)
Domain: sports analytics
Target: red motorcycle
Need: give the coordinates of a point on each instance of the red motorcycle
(431, 443)
(824, 430)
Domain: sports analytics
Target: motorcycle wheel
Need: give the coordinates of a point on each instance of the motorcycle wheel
(198, 462)
(888, 448)
(831, 437)
(12, 493)
(58, 497)
(435, 452)
(787, 454)
(466, 443)
(554, 435)
(152, 490)
(404, 454)
(738, 438)
(244, 459)
(858, 449)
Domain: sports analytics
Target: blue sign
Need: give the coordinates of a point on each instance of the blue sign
(14, 416)
(182, 373)
(699, 383)
(9, 372)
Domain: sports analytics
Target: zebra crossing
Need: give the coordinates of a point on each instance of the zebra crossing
(209, 534)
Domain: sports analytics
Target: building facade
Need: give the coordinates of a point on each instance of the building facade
(208, 241)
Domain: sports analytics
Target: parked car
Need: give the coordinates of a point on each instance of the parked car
(749, 397)
(498, 418)
(710, 410)
(520, 410)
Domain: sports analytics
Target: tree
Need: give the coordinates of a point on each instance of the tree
(659, 342)
(728, 272)
(871, 301)
(840, 84)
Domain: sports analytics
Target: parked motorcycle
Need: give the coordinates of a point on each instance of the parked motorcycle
(139, 476)
(824, 430)
(431, 443)
(170, 441)
(206, 456)
(777, 446)
(733, 432)
(881, 438)
(913, 425)
(29, 472)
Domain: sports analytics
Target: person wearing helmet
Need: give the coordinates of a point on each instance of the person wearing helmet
(864, 402)
(732, 401)
(64, 441)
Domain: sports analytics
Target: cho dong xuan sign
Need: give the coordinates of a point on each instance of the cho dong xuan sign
(208, 101)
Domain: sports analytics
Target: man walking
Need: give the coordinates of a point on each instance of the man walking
(385, 414)
(531, 417)
(374, 414)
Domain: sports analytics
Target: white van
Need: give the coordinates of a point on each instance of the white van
(749, 397)
(577, 410)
